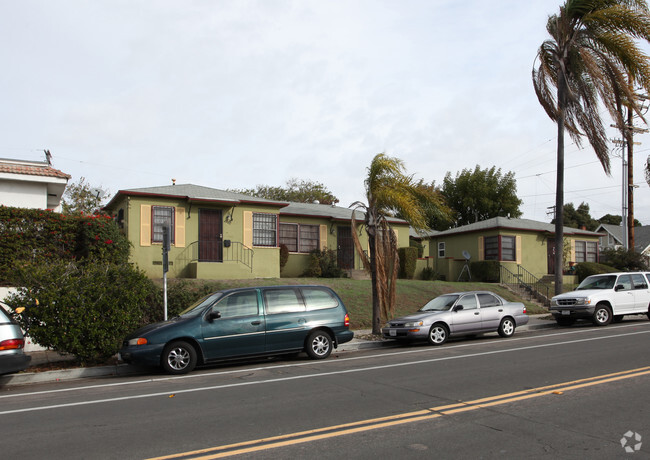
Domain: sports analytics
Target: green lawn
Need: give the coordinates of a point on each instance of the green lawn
(357, 295)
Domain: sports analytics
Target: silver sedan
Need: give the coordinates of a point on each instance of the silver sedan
(460, 313)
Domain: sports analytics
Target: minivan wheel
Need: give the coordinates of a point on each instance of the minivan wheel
(179, 358)
(602, 315)
(438, 334)
(507, 327)
(319, 345)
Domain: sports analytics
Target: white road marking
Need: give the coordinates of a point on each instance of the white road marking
(307, 376)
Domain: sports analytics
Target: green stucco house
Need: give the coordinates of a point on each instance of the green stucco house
(216, 234)
(514, 243)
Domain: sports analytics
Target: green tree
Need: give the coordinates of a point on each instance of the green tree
(591, 56)
(295, 190)
(432, 201)
(82, 198)
(388, 191)
(615, 220)
(481, 194)
(578, 218)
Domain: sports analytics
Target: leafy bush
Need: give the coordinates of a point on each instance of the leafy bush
(429, 274)
(82, 308)
(407, 262)
(487, 271)
(418, 245)
(323, 264)
(625, 260)
(36, 236)
(284, 255)
(585, 269)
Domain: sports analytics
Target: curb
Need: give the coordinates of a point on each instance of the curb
(123, 370)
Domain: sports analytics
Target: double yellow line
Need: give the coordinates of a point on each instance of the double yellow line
(400, 419)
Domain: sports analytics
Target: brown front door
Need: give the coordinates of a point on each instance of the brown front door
(210, 235)
(550, 256)
(345, 247)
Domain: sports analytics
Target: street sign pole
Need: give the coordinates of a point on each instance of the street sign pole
(165, 255)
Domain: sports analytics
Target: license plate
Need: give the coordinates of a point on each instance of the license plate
(566, 312)
(392, 333)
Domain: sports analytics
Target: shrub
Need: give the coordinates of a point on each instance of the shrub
(418, 245)
(84, 308)
(407, 262)
(323, 264)
(625, 260)
(486, 271)
(33, 235)
(284, 255)
(429, 274)
(585, 269)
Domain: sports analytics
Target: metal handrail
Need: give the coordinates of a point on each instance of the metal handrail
(526, 283)
(236, 252)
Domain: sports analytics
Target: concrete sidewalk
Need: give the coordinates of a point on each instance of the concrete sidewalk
(362, 340)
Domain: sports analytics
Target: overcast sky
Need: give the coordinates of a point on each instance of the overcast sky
(231, 94)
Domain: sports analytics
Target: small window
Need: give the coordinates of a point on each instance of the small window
(238, 304)
(586, 251)
(309, 237)
(508, 248)
(162, 216)
(289, 236)
(625, 281)
(500, 248)
(488, 300)
(468, 302)
(319, 299)
(491, 248)
(639, 281)
(265, 229)
(282, 301)
(441, 250)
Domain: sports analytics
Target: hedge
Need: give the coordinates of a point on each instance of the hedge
(407, 262)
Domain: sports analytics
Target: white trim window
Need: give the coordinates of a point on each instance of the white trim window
(441, 250)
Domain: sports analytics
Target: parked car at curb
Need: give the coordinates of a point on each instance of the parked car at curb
(241, 323)
(457, 314)
(12, 344)
(603, 299)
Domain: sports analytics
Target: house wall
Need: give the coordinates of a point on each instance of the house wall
(31, 195)
(531, 251)
(299, 262)
(183, 254)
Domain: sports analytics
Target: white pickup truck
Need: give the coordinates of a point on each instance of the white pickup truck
(603, 299)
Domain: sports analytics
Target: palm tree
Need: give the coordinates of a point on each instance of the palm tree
(389, 191)
(591, 56)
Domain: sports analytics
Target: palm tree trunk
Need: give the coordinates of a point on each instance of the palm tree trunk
(559, 192)
(376, 306)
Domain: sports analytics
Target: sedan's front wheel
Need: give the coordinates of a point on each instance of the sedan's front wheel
(507, 327)
(438, 334)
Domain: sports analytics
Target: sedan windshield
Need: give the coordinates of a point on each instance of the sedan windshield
(197, 307)
(442, 303)
(598, 282)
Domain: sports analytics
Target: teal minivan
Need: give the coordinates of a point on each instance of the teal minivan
(240, 323)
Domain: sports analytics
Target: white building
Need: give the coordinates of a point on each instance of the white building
(31, 184)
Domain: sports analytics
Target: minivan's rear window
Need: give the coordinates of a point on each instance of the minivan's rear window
(282, 301)
(319, 299)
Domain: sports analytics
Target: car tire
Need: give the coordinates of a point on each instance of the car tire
(507, 327)
(179, 358)
(438, 334)
(564, 321)
(602, 315)
(319, 345)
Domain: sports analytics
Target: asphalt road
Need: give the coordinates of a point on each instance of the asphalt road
(558, 393)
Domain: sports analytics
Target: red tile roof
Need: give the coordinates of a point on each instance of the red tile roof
(46, 171)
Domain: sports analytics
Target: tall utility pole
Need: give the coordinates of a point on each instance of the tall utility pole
(627, 134)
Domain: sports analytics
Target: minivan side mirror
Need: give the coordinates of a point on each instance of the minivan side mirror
(619, 287)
